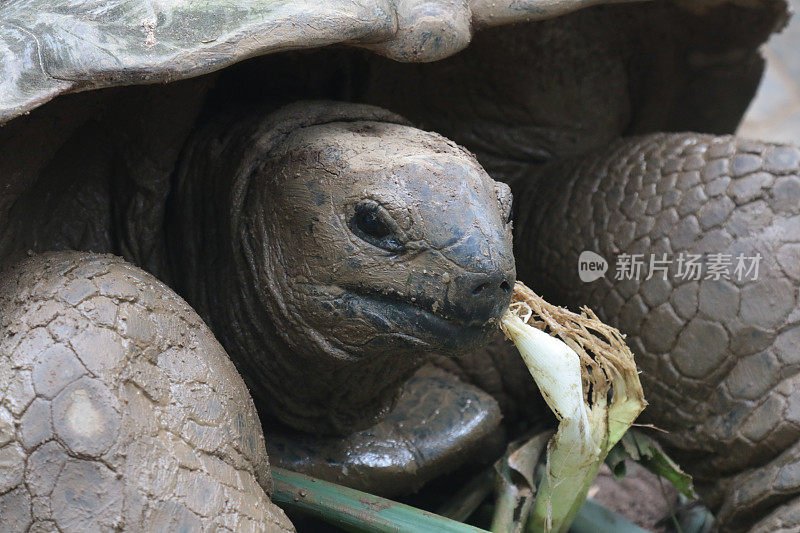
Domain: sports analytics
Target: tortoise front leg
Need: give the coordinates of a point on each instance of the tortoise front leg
(120, 410)
(775, 484)
(720, 357)
(438, 424)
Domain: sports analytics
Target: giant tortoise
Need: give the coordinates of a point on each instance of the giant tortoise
(286, 213)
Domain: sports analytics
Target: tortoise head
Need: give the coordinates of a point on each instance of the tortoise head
(385, 238)
(336, 240)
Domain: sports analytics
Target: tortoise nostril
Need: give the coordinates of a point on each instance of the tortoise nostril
(504, 286)
(476, 298)
(480, 288)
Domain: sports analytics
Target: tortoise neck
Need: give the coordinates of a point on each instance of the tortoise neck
(328, 396)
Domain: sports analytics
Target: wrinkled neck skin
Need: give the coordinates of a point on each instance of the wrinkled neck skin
(293, 373)
(305, 379)
(270, 226)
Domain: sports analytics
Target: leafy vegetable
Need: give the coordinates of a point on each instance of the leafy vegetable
(588, 378)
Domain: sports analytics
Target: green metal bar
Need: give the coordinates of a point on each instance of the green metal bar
(354, 510)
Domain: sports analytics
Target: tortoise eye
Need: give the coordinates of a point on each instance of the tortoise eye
(370, 222)
(373, 224)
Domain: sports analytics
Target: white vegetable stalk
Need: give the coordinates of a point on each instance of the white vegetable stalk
(588, 377)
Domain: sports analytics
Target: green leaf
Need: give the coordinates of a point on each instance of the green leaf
(645, 451)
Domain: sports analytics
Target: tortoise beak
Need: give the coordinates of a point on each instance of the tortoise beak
(482, 279)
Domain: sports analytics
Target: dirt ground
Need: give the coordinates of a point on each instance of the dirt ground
(639, 496)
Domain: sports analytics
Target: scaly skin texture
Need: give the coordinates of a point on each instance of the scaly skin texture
(517, 97)
(719, 358)
(119, 408)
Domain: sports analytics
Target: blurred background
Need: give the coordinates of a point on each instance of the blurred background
(774, 114)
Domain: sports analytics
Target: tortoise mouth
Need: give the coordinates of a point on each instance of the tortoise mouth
(414, 319)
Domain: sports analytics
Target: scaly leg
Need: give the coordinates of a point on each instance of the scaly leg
(720, 357)
(120, 410)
